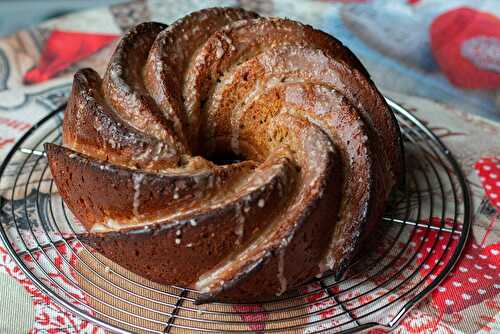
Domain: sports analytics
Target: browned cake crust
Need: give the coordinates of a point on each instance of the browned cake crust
(321, 152)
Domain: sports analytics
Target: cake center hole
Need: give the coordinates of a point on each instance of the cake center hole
(226, 158)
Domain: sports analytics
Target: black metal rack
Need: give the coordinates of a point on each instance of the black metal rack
(420, 239)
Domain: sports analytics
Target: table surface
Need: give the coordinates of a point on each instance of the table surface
(439, 59)
(23, 14)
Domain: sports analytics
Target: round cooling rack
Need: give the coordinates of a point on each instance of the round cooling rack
(416, 245)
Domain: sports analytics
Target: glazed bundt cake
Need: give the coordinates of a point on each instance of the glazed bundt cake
(315, 149)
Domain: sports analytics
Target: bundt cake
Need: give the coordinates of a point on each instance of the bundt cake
(314, 151)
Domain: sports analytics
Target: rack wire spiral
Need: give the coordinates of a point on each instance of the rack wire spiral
(420, 239)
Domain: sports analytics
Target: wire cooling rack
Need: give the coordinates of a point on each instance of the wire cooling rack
(418, 242)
